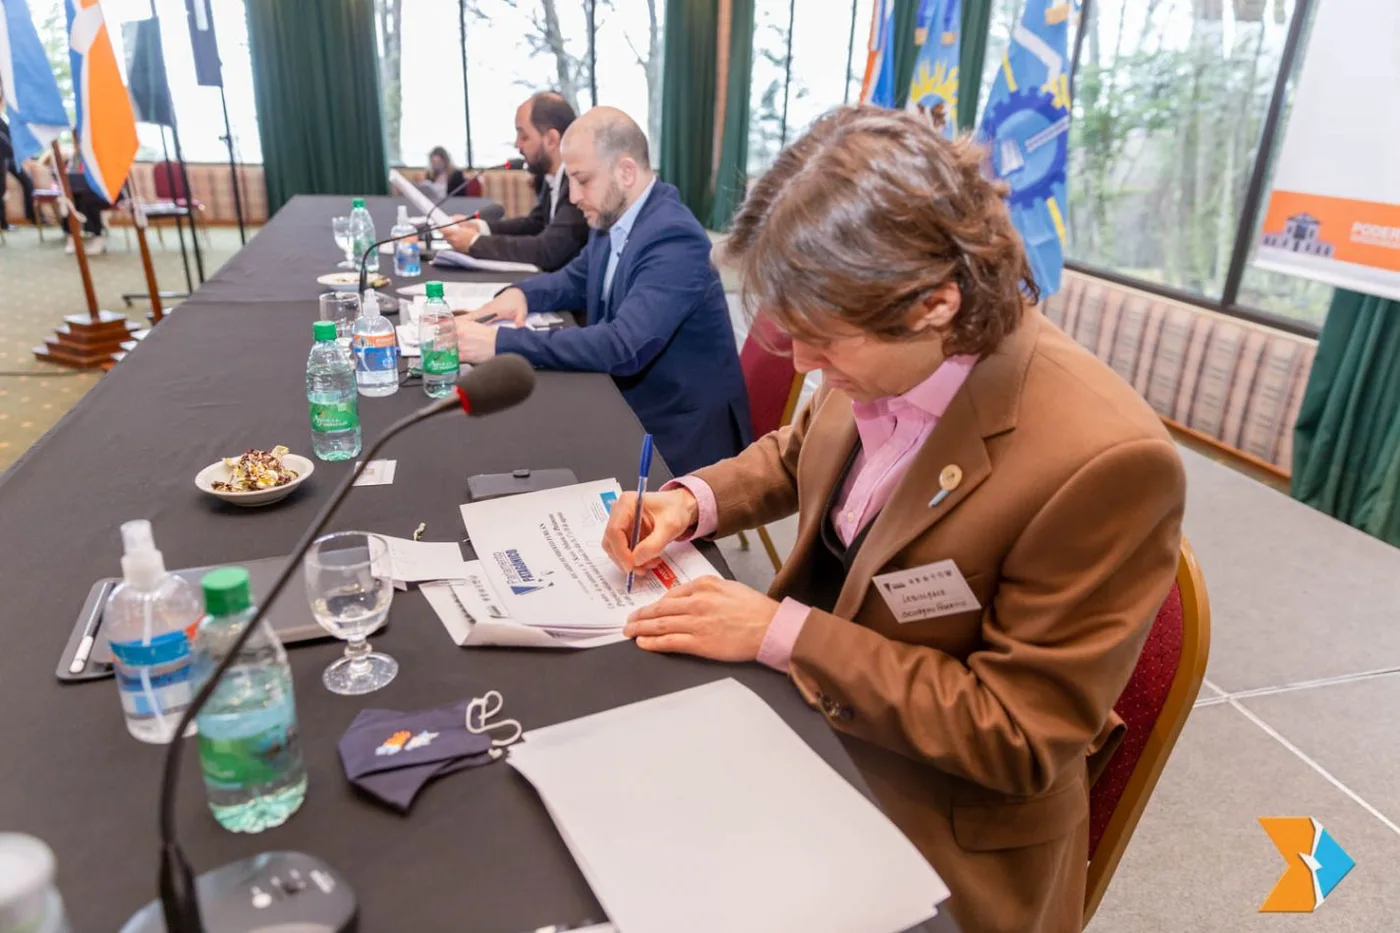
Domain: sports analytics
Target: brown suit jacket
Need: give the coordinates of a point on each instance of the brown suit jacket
(975, 730)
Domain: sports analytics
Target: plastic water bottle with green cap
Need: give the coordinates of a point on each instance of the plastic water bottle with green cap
(330, 392)
(437, 338)
(249, 748)
(362, 235)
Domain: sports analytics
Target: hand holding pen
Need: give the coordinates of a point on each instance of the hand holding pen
(643, 469)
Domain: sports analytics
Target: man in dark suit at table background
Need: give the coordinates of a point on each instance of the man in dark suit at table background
(657, 317)
(554, 231)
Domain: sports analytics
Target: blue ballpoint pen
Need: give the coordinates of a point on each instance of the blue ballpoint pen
(643, 468)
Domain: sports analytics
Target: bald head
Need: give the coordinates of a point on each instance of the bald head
(612, 134)
(609, 166)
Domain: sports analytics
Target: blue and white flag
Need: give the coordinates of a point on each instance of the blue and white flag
(934, 86)
(878, 86)
(32, 102)
(1026, 125)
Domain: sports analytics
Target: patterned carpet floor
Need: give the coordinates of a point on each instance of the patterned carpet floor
(40, 285)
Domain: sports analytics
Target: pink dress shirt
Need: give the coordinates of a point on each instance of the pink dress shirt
(891, 432)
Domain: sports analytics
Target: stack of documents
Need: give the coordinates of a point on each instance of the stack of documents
(702, 810)
(451, 259)
(543, 579)
(460, 296)
(475, 617)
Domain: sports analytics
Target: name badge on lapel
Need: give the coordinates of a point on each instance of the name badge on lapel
(926, 592)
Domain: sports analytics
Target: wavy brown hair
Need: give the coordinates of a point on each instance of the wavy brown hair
(868, 213)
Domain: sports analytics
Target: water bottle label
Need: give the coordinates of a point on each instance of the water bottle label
(376, 353)
(334, 416)
(440, 362)
(163, 649)
(259, 753)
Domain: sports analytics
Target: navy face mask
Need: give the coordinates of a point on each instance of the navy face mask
(391, 755)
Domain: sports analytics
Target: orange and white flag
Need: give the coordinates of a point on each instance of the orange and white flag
(106, 128)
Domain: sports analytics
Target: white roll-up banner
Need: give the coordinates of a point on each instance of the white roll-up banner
(1334, 213)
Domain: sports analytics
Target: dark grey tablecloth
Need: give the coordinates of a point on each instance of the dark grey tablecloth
(226, 372)
(284, 259)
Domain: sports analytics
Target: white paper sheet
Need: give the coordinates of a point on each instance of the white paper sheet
(408, 340)
(467, 296)
(420, 201)
(702, 810)
(544, 555)
(451, 259)
(416, 561)
(378, 473)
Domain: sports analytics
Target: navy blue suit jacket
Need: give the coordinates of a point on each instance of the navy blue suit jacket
(666, 338)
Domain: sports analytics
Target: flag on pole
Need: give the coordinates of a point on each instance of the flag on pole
(32, 101)
(106, 128)
(878, 86)
(934, 87)
(1026, 126)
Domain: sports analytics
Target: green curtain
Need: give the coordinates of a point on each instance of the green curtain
(688, 92)
(731, 180)
(972, 58)
(316, 88)
(906, 18)
(688, 100)
(1346, 444)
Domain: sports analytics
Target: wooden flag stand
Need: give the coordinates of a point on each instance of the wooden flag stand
(84, 341)
(138, 220)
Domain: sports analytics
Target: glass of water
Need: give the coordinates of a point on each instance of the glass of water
(343, 308)
(340, 226)
(349, 581)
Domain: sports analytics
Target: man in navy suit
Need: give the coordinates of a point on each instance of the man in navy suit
(657, 318)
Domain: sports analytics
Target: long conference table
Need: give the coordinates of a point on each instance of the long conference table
(226, 372)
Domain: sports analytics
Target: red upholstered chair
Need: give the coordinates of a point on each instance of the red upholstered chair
(774, 388)
(172, 200)
(1155, 704)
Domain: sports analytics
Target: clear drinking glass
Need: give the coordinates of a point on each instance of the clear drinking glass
(343, 308)
(350, 583)
(340, 226)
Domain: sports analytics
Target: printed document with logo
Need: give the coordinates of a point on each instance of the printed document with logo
(474, 617)
(543, 553)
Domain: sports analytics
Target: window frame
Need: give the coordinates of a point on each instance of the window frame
(1228, 302)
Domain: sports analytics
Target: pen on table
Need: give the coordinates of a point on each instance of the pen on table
(80, 657)
(643, 469)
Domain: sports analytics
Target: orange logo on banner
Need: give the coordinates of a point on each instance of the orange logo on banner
(1366, 233)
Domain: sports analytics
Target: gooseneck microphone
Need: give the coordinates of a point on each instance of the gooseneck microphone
(500, 383)
(462, 185)
(364, 257)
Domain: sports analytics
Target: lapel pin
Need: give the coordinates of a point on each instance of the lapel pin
(948, 480)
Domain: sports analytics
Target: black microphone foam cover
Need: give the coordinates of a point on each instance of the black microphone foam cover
(516, 164)
(499, 383)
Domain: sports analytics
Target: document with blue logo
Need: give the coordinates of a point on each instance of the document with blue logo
(543, 553)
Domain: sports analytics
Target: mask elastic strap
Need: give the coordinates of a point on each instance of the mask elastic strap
(486, 707)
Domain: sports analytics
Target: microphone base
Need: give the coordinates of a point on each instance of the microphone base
(268, 892)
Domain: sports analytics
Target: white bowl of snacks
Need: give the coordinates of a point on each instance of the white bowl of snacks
(257, 477)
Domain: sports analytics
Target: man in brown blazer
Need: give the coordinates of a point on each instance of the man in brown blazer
(1024, 500)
